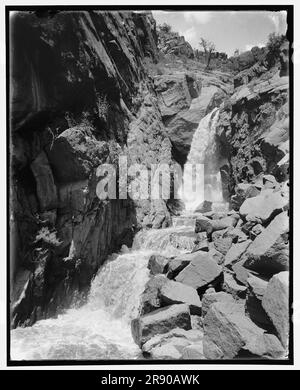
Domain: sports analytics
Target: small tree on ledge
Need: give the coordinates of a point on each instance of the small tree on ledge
(209, 48)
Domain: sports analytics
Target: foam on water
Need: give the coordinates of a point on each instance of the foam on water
(98, 330)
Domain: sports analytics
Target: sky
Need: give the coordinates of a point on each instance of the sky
(229, 30)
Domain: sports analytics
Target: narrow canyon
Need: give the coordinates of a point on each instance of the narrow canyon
(201, 275)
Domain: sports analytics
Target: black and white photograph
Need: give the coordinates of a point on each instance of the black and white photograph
(149, 185)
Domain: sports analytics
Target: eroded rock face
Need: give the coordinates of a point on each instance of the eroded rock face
(184, 99)
(74, 106)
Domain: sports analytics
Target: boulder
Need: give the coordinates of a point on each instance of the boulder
(174, 292)
(269, 252)
(217, 256)
(193, 352)
(229, 334)
(236, 234)
(231, 286)
(275, 301)
(204, 207)
(200, 272)
(242, 192)
(224, 223)
(150, 298)
(264, 206)
(212, 297)
(177, 264)
(222, 243)
(248, 226)
(241, 274)
(201, 246)
(257, 286)
(203, 224)
(157, 264)
(206, 224)
(255, 231)
(269, 181)
(266, 346)
(256, 289)
(160, 321)
(235, 252)
(171, 345)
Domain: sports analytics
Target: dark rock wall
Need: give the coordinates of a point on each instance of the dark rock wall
(79, 97)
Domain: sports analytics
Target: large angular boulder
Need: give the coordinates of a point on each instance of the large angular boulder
(241, 274)
(209, 225)
(221, 241)
(256, 290)
(264, 206)
(275, 301)
(171, 345)
(203, 224)
(157, 264)
(257, 286)
(204, 207)
(178, 263)
(229, 334)
(269, 252)
(231, 286)
(174, 292)
(160, 321)
(193, 352)
(235, 252)
(242, 192)
(150, 299)
(212, 297)
(201, 272)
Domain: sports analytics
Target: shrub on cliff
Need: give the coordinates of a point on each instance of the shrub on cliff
(166, 28)
(274, 45)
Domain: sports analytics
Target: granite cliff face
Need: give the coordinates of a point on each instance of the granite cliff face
(253, 129)
(80, 97)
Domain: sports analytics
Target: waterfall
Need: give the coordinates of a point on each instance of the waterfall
(101, 328)
(202, 182)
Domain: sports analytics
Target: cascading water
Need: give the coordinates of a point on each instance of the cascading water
(201, 178)
(101, 328)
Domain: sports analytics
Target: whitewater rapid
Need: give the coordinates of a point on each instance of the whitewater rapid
(100, 329)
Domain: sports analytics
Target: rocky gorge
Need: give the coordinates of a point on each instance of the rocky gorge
(212, 283)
